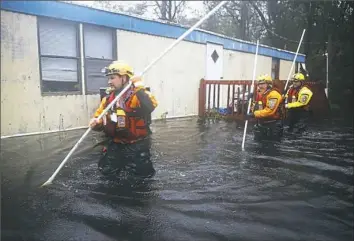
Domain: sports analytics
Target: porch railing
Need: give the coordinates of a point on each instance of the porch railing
(229, 98)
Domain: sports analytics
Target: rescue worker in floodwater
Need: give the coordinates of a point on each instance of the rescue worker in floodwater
(126, 123)
(297, 104)
(267, 110)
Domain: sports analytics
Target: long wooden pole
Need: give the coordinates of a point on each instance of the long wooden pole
(50, 180)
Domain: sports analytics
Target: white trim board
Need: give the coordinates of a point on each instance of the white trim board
(82, 127)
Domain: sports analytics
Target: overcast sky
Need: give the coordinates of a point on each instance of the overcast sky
(191, 6)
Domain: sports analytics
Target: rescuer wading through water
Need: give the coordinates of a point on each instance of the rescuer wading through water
(126, 124)
(297, 102)
(266, 109)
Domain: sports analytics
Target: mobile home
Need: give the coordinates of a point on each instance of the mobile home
(52, 54)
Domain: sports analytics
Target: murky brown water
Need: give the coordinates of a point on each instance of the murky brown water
(205, 187)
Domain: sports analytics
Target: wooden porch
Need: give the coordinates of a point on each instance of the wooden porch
(227, 99)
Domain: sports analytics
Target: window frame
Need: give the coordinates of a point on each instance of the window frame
(77, 58)
(276, 68)
(114, 53)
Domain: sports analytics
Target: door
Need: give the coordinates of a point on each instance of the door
(214, 61)
(214, 71)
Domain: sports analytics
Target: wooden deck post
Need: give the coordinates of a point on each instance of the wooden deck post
(202, 95)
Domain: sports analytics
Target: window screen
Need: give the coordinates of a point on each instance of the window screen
(58, 69)
(98, 42)
(58, 38)
(58, 41)
(94, 78)
(99, 52)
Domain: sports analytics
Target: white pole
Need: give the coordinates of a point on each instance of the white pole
(250, 100)
(49, 181)
(327, 80)
(292, 66)
(82, 59)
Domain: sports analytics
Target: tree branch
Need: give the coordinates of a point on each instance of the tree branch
(232, 15)
(263, 19)
(178, 8)
(158, 5)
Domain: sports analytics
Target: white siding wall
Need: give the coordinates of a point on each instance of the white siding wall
(284, 70)
(239, 66)
(23, 109)
(20, 89)
(174, 79)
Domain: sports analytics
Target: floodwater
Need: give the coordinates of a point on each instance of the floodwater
(205, 187)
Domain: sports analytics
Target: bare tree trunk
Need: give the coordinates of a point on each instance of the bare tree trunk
(163, 10)
(170, 6)
(169, 10)
(244, 20)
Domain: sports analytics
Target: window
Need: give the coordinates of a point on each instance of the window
(275, 68)
(296, 67)
(59, 55)
(100, 51)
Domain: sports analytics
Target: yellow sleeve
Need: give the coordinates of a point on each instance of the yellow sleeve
(100, 109)
(305, 95)
(273, 101)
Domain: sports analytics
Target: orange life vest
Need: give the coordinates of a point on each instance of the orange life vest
(261, 103)
(127, 129)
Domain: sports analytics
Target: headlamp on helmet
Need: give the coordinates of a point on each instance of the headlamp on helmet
(118, 67)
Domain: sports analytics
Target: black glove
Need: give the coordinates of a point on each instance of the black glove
(249, 116)
(250, 95)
